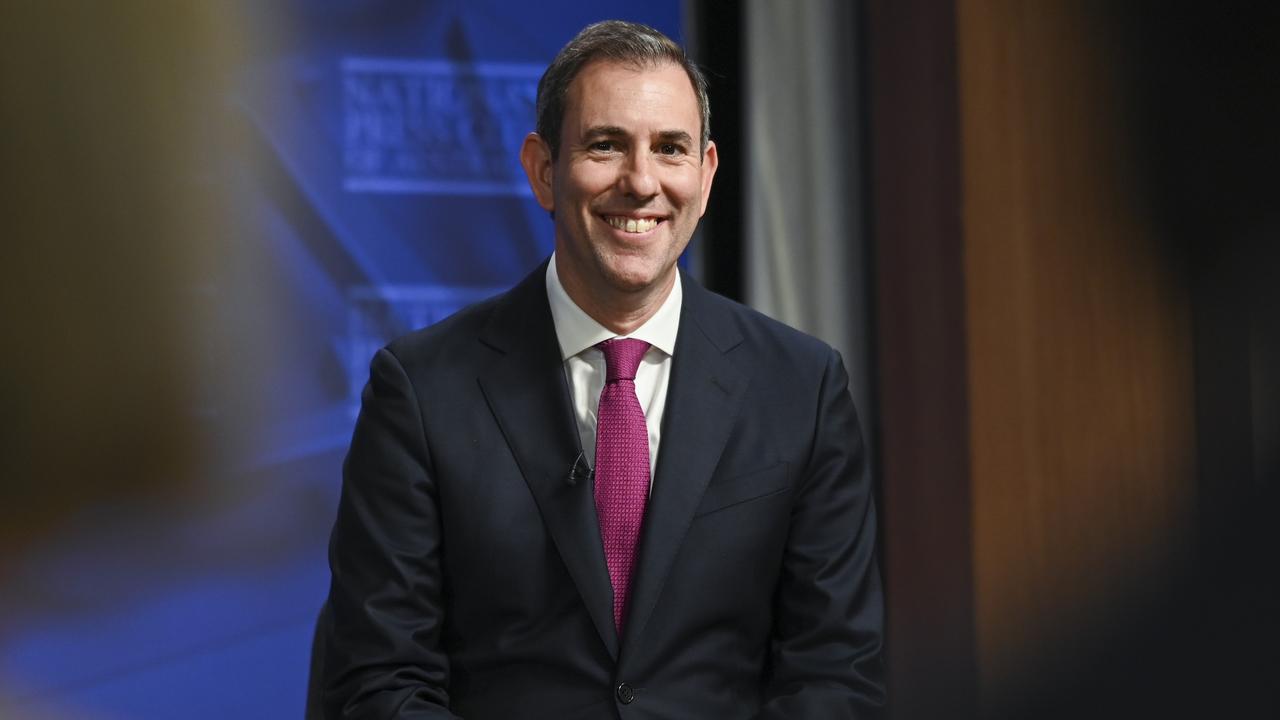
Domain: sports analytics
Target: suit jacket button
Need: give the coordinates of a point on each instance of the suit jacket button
(625, 694)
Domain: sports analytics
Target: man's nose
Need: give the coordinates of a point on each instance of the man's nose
(637, 176)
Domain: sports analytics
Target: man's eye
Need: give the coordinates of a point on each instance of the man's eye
(602, 146)
(670, 149)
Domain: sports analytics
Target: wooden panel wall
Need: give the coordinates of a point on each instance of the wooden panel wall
(1079, 338)
(1037, 389)
(923, 418)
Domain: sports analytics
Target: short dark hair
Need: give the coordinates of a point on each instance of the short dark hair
(613, 41)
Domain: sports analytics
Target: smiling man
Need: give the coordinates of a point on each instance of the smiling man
(607, 493)
(629, 171)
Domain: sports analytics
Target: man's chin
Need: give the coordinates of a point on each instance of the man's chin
(636, 279)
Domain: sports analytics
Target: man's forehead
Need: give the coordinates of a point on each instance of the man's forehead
(593, 72)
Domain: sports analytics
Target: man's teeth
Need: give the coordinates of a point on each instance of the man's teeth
(633, 225)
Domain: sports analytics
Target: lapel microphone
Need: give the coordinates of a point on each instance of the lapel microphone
(581, 471)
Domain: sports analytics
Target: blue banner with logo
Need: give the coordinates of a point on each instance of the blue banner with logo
(383, 176)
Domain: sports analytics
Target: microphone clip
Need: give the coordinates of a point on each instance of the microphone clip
(581, 471)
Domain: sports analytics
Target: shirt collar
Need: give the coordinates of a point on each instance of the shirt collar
(577, 331)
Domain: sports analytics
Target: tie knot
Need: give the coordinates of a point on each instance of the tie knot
(622, 357)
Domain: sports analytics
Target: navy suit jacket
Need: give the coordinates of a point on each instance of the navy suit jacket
(468, 575)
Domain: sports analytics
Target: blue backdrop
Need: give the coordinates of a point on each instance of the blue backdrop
(381, 173)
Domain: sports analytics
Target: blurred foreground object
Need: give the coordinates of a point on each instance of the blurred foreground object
(115, 223)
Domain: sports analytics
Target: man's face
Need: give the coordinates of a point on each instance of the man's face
(629, 183)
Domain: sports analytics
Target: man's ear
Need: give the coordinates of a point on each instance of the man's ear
(710, 161)
(535, 156)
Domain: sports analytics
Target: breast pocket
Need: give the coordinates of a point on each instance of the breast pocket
(749, 487)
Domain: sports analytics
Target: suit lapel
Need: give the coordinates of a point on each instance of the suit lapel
(703, 398)
(527, 391)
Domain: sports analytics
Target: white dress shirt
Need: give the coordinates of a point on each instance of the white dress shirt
(584, 364)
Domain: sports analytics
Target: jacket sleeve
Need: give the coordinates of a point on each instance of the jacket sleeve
(829, 614)
(380, 642)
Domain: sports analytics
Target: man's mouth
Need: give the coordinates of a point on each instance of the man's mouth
(632, 225)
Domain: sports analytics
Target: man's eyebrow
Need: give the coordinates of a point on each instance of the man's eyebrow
(666, 136)
(678, 137)
(603, 131)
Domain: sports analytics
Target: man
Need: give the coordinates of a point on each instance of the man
(705, 552)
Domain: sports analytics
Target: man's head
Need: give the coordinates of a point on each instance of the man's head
(625, 167)
(620, 42)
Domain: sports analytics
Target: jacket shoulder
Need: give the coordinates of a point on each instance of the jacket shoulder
(729, 322)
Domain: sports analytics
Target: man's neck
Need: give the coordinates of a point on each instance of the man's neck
(620, 312)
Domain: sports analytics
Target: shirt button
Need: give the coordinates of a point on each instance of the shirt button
(625, 694)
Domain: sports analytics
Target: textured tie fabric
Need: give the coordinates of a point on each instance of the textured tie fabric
(622, 466)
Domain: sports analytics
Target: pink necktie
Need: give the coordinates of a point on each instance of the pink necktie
(622, 466)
